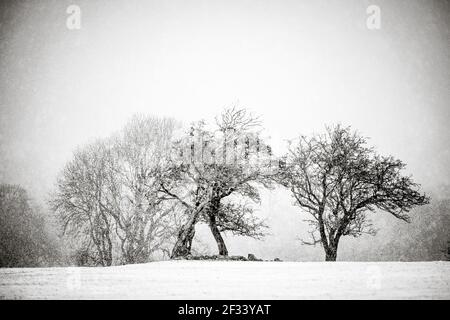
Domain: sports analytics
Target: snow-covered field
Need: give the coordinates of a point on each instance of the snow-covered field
(233, 280)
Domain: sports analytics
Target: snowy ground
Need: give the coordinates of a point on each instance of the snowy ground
(233, 280)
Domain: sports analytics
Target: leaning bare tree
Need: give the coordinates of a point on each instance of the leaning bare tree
(218, 163)
(338, 179)
(245, 165)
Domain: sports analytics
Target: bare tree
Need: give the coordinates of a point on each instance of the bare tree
(218, 163)
(337, 179)
(78, 202)
(143, 219)
(107, 196)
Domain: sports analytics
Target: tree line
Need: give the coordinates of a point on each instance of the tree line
(138, 194)
(143, 190)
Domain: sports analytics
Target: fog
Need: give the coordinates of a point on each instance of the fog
(299, 65)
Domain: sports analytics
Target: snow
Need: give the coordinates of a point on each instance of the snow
(232, 280)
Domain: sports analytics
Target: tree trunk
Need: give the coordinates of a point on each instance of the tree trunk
(183, 245)
(330, 255)
(213, 212)
(331, 251)
(108, 256)
(217, 236)
(108, 249)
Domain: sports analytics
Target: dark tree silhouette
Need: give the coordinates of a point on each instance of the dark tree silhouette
(338, 179)
(25, 237)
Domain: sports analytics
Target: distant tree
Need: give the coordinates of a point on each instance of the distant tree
(25, 240)
(218, 163)
(427, 236)
(337, 179)
(423, 239)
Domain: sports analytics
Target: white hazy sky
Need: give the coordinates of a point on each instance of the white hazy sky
(298, 64)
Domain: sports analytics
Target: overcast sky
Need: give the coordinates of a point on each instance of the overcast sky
(297, 64)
